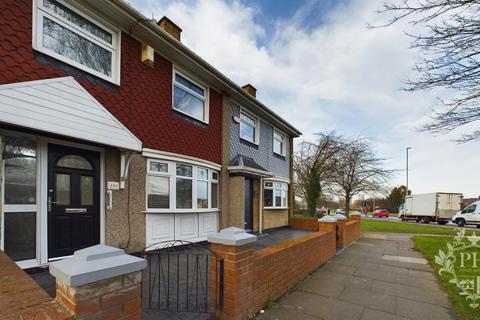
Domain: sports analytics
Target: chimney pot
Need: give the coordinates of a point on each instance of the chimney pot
(250, 90)
(170, 27)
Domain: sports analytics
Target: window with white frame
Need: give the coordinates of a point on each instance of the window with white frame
(77, 38)
(248, 127)
(178, 186)
(275, 194)
(189, 97)
(279, 143)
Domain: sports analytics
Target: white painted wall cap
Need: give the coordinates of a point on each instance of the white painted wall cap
(232, 236)
(340, 216)
(327, 219)
(93, 264)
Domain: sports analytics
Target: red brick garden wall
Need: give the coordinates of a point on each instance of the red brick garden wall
(277, 269)
(348, 231)
(309, 224)
(251, 277)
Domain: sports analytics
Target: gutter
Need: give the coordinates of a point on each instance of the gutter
(203, 64)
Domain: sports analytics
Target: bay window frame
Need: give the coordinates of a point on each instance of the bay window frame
(171, 174)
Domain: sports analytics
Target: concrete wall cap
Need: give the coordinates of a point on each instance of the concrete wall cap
(232, 236)
(339, 216)
(327, 219)
(94, 264)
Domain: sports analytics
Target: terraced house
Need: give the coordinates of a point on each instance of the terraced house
(112, 131)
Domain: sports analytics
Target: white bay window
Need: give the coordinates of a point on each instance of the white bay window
(77, 38)
(174, 186)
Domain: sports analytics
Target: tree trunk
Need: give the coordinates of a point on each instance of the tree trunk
(347, 205)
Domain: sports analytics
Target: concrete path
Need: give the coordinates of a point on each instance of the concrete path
(378, 277)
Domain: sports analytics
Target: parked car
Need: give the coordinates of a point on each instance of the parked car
(340, 211)
(469, 215)
(321, 211)
(380, 213)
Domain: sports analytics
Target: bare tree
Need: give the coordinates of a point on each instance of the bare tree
(315, 165)
(451, 47)
(359, 170)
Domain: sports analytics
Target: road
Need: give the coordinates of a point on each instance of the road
(396, 219)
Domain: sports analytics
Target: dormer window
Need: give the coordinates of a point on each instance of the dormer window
(189, 97)
(77, 38)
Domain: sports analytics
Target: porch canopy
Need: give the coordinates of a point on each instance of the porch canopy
(62, 106)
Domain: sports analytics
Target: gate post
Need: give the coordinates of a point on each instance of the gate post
(235, 248)
(100, 282)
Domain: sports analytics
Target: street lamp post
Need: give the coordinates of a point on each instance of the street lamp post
(406, 193)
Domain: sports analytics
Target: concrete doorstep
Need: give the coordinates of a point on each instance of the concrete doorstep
(376, 278)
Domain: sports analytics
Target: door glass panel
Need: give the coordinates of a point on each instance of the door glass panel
(62, 189)
(86, 191)
(75, 162)
(20, 235)
(20, 171)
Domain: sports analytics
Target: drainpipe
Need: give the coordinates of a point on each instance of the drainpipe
(260, 209)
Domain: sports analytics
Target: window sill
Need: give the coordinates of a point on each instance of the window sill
(279, 156)
(186, 116)
(275, 208)
(249, 143)
(169, 211)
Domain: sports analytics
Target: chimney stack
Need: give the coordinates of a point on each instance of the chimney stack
(170, 27)
(250, 90)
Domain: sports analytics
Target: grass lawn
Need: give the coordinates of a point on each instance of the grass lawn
(404, 227)
(429, 246)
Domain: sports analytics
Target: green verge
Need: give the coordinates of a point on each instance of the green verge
(429, 247)
(405, 227)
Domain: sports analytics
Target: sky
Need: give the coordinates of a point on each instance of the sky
(318, 65)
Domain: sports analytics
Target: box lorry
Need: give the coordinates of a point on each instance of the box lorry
(469, 215)
(431, 207)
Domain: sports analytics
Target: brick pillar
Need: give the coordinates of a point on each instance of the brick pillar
(357, 216)
(327, 223)
(100, 282)
(235, 247)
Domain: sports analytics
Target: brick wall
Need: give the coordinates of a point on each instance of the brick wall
(114, 298)
(22, 298)
(348, 231)
(253, 276)
(309, 224)
(142, 102)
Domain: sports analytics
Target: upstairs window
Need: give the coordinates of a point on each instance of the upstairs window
(70, 35)
(190, 98)
(275, 195)
(279, 143)
(248, 127)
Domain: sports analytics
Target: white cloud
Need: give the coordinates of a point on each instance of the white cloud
(338, 75)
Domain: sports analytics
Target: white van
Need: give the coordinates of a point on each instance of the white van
(469, 215)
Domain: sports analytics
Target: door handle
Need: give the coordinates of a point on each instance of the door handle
(50, 204)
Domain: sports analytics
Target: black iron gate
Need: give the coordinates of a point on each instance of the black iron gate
(177, 278)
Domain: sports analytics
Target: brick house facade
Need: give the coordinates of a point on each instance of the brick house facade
(123, 145)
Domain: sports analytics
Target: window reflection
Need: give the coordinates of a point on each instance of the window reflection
(71, 45)
(20, 170)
